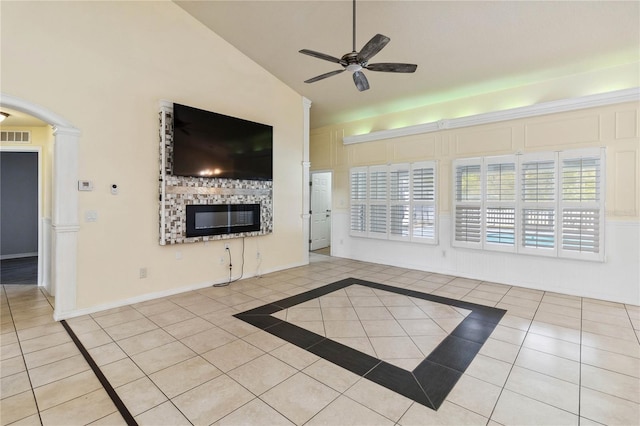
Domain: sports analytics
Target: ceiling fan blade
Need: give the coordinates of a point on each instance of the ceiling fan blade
(372, 47)
(392, 67)
(323, 76)
(361, 81)
(322, 56)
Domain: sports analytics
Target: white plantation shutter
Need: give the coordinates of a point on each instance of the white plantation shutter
(358, 198)
(378, 201)
(468, 225)
(548, 204)
(538, 204)
(468, 202)
(423, 202)
(581, 204)
(500, 203)
(399, 201)
(396, 202)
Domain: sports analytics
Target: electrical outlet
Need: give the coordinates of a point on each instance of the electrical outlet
(257, 255)
(221, 260)
(143, 272)
(226, 246)
(178, 255)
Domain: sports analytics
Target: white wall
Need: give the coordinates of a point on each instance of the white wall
(105, 66)
(616, 279)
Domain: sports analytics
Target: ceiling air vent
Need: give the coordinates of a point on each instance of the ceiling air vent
(15, 136)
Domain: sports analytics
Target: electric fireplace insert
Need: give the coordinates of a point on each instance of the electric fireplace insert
(222, 219)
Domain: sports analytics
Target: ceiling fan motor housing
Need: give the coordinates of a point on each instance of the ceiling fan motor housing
(351, 59)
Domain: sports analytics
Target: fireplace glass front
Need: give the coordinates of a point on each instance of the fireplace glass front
(222, 219)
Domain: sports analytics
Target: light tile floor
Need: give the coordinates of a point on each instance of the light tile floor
(394, 328)
(180, 360)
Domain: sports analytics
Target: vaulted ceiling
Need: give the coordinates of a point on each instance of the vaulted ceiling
(462, 48)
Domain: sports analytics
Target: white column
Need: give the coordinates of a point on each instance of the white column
(306, 165)
(65, 224)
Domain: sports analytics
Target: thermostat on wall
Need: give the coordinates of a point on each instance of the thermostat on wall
(85, 185)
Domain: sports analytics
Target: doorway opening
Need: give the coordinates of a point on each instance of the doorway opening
(320, 212)
(59, 239)
(20, 231)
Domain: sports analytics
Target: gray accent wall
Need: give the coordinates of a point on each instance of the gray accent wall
(18, 204)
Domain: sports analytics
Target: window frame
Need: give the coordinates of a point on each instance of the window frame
(432, 203)
(358, 202)
(370, 203)
(599, 205)
(398, 168)
(537, 158)
(460, 203)
(542, 200)
(500, 204)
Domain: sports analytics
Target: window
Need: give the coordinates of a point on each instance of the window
(581, 205)
(399, 202)
(396, 202)
(538, 203)
(358, 201)
(548, 204)
(378, 195)
(500, 203)
(423, 205)
(468, 203)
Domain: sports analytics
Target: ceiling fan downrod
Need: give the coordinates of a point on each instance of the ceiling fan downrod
(354, 25)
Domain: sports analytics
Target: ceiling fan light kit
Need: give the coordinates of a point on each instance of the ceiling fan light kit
(356, 62)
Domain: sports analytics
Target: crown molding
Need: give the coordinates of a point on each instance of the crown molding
(552, 107)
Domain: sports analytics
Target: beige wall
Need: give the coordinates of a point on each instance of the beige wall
(615, 127)
(104, 67)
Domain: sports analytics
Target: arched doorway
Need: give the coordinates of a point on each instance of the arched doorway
(62, 248)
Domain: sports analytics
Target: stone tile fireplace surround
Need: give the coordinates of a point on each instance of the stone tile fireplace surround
(176, 192)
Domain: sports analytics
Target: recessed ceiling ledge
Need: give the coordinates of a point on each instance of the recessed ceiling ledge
(551, 107)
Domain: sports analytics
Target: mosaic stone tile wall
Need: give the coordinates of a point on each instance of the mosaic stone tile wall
(176, 192)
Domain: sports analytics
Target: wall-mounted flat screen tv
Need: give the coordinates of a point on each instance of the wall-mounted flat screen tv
(212, 145)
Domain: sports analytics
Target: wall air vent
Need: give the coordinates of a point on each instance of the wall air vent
(15, 136)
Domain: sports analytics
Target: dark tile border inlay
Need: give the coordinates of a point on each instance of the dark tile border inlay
(429, 383)
(124, 411)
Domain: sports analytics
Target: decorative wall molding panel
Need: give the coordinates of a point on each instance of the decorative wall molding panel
(552, 107)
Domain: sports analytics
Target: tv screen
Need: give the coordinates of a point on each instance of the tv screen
(208, 144)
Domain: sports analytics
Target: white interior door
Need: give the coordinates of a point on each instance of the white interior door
(320, 210)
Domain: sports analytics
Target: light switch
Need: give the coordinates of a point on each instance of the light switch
(85, 185)
(91, 216)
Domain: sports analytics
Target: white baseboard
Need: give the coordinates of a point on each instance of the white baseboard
(157, 295)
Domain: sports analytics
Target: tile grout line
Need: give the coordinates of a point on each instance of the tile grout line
(504, 385)
(518, 354)
(626, 308)
(580, 361)
(26, 368)
(126, 415)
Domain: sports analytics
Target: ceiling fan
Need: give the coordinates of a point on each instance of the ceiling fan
(358, 61)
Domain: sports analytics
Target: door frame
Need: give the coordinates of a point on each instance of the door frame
(63, 248)
(41, 281)
(330, 172)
